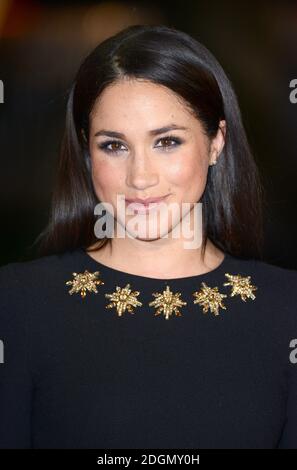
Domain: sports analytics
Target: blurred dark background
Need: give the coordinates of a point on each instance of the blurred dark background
(41, 46)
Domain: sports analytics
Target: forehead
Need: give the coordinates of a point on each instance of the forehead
(140, 101)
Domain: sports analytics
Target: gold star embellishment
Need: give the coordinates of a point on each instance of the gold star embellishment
(241, 286)
(123, 299)
(209, 298)
(84, 282)
(167, 303)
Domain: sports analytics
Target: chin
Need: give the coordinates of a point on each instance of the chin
(147, 239)
(143, 234)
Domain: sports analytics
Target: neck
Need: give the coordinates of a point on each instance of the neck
(167, 258)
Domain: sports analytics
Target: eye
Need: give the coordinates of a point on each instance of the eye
(115, 143)
(169, 138)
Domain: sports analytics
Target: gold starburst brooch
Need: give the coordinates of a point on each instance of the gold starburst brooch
(84, 282)
(123, 299)
(167, 303)
(240, 286)
(209, 298)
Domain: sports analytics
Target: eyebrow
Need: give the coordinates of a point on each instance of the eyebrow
(160, 130)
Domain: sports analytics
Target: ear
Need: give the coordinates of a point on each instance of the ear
(217, 143)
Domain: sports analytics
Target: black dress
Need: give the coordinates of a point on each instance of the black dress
(75, 374)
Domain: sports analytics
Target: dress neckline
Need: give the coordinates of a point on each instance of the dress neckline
(98, 266)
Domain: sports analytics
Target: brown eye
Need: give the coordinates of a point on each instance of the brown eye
(167, 141)
(170, 142)
(116, 146)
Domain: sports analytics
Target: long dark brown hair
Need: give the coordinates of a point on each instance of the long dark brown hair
(233, 196)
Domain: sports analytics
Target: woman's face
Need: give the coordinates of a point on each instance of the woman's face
(141, 163)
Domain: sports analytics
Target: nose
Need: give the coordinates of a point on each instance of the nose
(141, 172)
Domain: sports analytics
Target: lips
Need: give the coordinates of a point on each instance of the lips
(145, 202)
(144, 205)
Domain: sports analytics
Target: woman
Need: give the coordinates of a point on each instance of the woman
(159, 338)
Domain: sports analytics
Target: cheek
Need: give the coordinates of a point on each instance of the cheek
(105, 179)
(187, 172)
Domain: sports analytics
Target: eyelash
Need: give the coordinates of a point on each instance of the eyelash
(103, 145)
